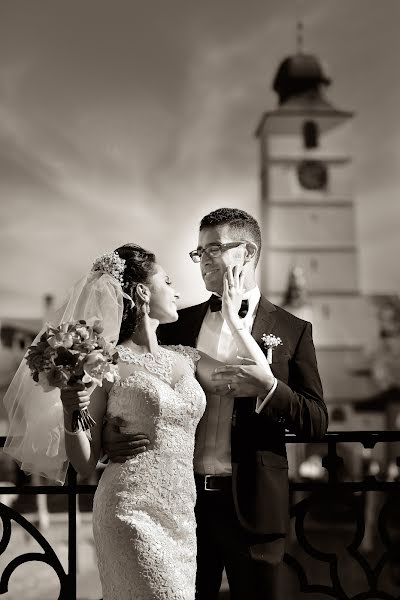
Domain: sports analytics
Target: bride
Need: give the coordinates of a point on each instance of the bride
(143, 514)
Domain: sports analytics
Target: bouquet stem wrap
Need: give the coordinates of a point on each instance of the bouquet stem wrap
(81, 418)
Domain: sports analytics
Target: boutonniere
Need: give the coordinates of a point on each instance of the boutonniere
(270, 342)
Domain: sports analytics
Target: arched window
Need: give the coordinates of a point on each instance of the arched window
(310, 134)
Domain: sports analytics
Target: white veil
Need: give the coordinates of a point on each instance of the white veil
(36, 432)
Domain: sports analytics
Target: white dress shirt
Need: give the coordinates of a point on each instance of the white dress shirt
(213, 438)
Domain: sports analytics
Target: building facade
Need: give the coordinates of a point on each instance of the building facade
(309, 229)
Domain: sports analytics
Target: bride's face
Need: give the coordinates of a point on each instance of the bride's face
(163, 297)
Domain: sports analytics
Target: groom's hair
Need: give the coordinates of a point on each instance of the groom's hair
(243, 225)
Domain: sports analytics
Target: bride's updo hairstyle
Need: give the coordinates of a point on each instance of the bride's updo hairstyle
(139, 266)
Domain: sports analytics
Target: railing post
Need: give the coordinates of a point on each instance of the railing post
(332, 462)
(72, 547)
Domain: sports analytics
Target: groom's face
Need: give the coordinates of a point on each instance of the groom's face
(213, 268)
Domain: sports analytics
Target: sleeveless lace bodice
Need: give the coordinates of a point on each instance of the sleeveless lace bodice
(143, 517)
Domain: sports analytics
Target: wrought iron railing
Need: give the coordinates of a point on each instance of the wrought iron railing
(330, 492)
(349, 499)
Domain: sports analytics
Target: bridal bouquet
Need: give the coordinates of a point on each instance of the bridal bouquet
(69, 354)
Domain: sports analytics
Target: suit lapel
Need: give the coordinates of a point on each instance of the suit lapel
(195, 321)
(264, 320)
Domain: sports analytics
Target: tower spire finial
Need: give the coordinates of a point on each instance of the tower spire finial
(299, 36)
(298, 7)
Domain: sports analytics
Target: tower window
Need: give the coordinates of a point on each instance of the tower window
(310, 135)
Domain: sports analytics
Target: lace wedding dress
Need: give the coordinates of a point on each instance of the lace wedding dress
(143, 513)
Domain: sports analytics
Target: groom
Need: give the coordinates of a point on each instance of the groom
(240, 457)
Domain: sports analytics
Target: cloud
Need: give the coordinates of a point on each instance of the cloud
(129, 123)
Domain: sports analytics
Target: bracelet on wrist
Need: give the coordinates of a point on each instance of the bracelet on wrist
(69, 432)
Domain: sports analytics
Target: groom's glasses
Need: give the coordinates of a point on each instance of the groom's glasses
(213, 250)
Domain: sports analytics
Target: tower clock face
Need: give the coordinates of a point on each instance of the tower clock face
(312, 174)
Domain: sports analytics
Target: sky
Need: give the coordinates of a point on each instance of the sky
(128, 120)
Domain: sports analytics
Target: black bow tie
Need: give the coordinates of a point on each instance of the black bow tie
(216, 304)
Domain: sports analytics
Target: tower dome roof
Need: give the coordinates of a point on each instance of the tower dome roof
(298, 75)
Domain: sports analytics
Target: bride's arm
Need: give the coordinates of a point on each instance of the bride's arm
(248, 349)
(84, 452)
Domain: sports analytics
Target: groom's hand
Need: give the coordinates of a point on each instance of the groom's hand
(246, 380)
(120, 446)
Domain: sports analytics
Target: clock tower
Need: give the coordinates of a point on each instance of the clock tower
(308, 220)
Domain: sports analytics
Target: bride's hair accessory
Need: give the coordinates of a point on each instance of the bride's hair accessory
(112, 264)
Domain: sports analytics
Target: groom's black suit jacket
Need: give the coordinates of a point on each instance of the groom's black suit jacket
(259, 463)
